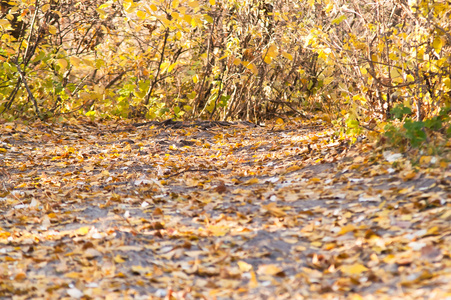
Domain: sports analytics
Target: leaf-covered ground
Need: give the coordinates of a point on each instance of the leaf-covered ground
(213, 210)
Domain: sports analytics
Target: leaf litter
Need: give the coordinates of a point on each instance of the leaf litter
(218, 210)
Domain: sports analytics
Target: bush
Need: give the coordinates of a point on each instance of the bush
(223, 59)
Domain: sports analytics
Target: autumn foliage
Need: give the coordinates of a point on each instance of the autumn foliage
(218, 210)
(225, 59)
(222, 149)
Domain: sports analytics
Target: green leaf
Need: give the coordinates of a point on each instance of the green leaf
(399, 111)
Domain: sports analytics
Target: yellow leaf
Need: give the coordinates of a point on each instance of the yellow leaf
(268, 59)
(328, 80)
(82, 230)
(355, 269)
(101, 12)
(244, 266)
(74, 275)
(292, 168)
(194, 4)
(437, 44)
(396, 75)
(45, 7)
(172, 66)
(5, 24)
(20, 277)
(88, 62)
(270, 270)
(433, 231)
(212, 2)
(409, 78)
(272, 51)
(299, 248)
(208, 18)
(153, 7)
(329, 246)
(218, 230)
(279, 121)
(120, 275)
(187, 18)
(447, 82)
(245, 63)
(142, 15)
(346, 229)
(52, 215)
(251, 67)
(129, 6)
(251, 181)
(62, 63)
(164, 65)
(425, 160)
(274, 210)
(2, 150)
(406, 218)
(270, 54)
(406, 190)
(287, 55)
(316, 244)
(408, 175)
(52, 29)
(118, 259)
(75, 61)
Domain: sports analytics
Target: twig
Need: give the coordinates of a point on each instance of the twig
(152, 86)
(290, 107)
(30, 93)
(26, 58)
(368, 128)
(12, 96)
(115, 79)
(207, 70)
(27, 55)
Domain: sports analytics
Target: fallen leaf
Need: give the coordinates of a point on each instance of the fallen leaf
(274, 210)
(272, 270)
(354, 269)
(244, 266)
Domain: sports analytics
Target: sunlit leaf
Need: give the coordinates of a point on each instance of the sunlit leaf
(244, 266)
(141, 14)
(354, 269)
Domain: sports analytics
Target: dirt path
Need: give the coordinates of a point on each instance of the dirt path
(213, 210)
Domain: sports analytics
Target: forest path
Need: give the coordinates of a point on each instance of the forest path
(216, 210)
